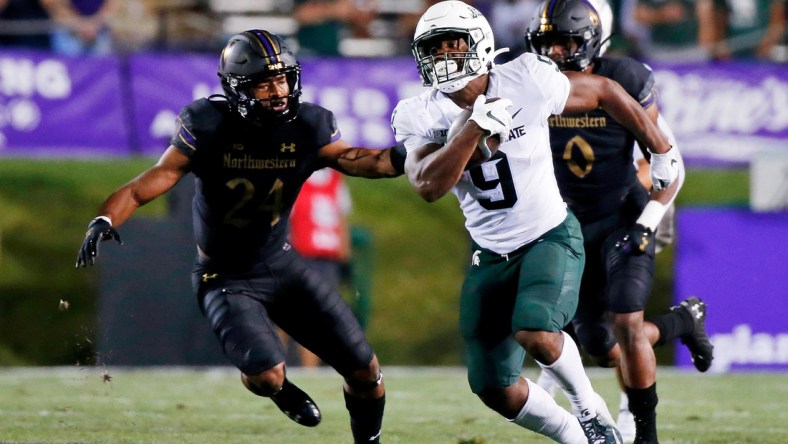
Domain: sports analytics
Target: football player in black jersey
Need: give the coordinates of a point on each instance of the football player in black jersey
(593, 160)
(250, 151)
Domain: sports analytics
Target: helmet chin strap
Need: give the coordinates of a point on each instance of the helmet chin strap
(448, 88)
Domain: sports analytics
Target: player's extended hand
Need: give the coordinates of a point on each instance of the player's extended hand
(99, 230)
(492, 116)
(664, 169)
(636, 240)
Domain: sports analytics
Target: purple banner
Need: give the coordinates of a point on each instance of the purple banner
(61, 106)
(163, 84)
(361, 93)
(725, 113)
(721, 114)
(735, 261)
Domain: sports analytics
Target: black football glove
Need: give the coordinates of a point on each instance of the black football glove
(98, 230)
(636, 240)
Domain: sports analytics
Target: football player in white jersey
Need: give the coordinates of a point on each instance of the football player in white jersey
(522, 286)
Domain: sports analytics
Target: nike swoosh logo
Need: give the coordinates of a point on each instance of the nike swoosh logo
(489, 114)
(516, 113)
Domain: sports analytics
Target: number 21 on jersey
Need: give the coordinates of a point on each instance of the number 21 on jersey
(272, 203)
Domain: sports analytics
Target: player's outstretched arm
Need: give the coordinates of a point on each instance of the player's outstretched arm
(364, 162)
(120, 205)
(590, 91)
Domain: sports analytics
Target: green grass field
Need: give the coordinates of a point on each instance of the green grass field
(424, 405)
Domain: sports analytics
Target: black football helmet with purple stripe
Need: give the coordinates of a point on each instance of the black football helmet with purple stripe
(246, 60)
(562, 22)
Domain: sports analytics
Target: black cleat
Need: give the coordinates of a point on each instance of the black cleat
(697, 342)
(297, 405)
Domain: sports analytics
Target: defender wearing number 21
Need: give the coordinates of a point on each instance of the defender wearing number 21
(524, 278)
(250, 151)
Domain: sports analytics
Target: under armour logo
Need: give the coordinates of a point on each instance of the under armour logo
(290, 148)
(643, 244)
(696, 309)
(475, 259)
(206, 276)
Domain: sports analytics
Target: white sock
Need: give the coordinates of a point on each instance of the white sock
(624, 403)
(543, 415)
(569, 373)
(547, 383)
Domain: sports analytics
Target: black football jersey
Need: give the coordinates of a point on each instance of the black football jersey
(248, 176)
(592, 153)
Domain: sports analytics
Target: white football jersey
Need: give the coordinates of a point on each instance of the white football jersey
(513, 198)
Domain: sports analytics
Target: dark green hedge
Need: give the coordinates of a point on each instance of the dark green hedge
(418, 259)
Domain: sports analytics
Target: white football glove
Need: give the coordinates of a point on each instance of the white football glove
(492, 117)
(664, 169)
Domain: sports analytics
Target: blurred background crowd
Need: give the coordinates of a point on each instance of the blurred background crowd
(667, 30)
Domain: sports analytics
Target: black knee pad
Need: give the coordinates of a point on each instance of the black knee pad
(596, 337)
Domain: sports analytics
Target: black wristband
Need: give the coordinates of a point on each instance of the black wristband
(398, 154)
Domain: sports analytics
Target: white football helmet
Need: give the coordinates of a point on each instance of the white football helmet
(452, 72)
(605, 13)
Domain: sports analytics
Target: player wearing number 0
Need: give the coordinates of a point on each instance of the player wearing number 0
(593, 160)
(523, 282)
(250, 151)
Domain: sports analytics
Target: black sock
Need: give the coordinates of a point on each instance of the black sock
(672, 325)
(366, 418)
(643, 405)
